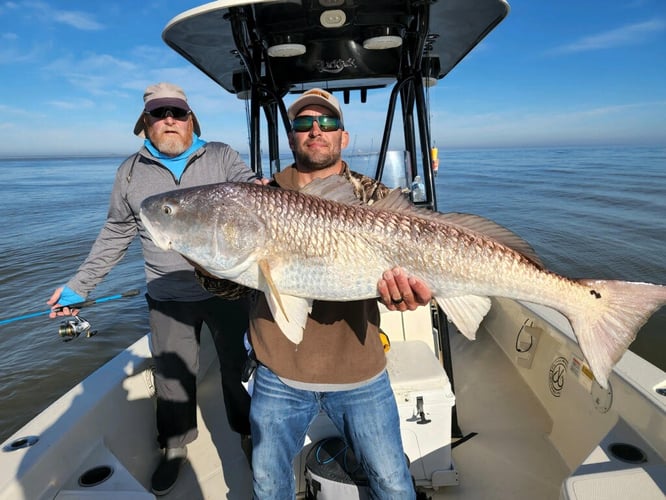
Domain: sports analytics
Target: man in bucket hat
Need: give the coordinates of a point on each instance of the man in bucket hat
(173, 156)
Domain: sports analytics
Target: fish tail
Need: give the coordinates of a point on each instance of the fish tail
(618, 311)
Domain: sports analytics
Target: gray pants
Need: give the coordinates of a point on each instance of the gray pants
(176, 333)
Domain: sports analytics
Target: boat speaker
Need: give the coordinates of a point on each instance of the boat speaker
(332, 472)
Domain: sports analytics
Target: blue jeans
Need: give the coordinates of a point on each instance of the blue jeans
(367, 417)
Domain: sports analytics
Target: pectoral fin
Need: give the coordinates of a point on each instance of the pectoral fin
(465, 312)
(265, 269)
(298, 308)
(293, 323)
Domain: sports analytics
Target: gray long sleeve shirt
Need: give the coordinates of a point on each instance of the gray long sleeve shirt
(168, 275)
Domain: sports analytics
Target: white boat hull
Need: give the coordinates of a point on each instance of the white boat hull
(532, 441)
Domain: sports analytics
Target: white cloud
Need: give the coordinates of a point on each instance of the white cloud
(77, 105)
(638, 122)
(96, 74)
(78, 20)
(626, 35)
(8, 6)
(16, 112)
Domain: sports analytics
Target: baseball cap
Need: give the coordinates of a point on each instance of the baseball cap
(315, 97)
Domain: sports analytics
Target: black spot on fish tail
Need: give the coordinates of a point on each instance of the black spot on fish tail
(596, 294)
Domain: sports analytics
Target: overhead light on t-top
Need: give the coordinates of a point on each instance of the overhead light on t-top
(333, 18)
(285, 46)
(382, 38)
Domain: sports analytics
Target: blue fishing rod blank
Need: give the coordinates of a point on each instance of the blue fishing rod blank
(77, 305)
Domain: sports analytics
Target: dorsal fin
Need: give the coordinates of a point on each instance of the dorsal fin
(337, 188)
(492, 230)
(397, 201)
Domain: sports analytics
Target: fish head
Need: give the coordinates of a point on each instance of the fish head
(213, 226)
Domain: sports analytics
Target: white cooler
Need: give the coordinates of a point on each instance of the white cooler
(424, 396)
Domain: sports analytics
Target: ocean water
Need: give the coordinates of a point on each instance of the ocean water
(588, 212)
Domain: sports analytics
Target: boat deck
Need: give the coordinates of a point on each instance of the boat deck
(510, 457)
(216, 462)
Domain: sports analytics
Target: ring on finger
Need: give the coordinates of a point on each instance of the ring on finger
(397, 301)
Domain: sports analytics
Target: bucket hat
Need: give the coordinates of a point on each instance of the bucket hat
(161, 95)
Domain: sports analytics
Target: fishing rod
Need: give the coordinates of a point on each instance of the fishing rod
(77, 305)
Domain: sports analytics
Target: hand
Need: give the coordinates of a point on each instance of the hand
(263, 181)
(66, 295)
(400, 292)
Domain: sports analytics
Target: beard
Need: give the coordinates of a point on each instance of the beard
(171, 140)
(170, 144)
(318, 160)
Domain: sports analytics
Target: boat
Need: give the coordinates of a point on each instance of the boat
(515, 414)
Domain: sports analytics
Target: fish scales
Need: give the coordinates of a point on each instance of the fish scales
(358, 244)
(326, 243)
(297, 247)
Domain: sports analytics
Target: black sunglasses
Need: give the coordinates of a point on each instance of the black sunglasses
(326, 123)
(161, 113)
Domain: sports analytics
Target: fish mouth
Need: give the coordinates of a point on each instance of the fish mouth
(158, 237)
(161, 242)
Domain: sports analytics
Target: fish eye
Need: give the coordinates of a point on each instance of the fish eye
(167, 209)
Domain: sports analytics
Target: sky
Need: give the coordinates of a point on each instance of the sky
(553, 73)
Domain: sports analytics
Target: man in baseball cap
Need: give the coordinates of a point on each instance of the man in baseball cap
(339, 367)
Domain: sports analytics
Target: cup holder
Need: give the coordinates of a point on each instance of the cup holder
(20, 443)
(627, 453)
(96, 475)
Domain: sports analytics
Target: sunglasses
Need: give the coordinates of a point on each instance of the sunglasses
(162, 113)
(326, 123)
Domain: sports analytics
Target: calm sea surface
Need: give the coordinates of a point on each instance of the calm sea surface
(589, 213)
